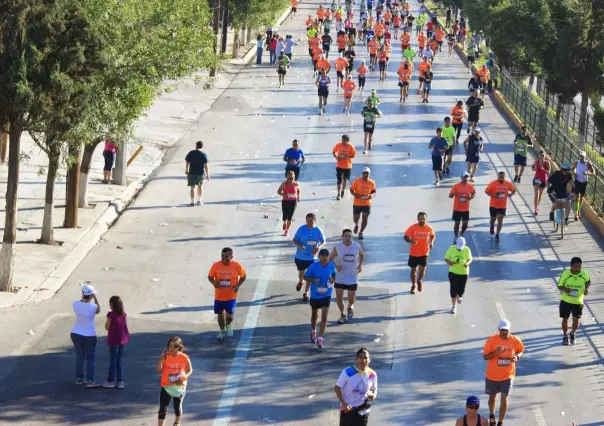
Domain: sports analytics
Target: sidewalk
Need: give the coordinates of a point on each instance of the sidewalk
(41, 270)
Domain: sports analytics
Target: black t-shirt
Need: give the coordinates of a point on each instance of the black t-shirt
(197, 160)
(559, 184)
(326, 39)
(474, 145)
(350, 55)
(474, 104)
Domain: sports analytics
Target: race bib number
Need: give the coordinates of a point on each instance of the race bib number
(364, 197)
(174, 377)
(369, 125)
(311, 243)
(504, 362)
(291, 196)
(225, 283)
(322, 290)
(349, 258)
(463, 199)
(500, 195)
(574, 293)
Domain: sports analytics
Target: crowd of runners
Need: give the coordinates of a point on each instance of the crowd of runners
(378, 27)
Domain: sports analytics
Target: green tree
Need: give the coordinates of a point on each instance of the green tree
(149, 44)
(46, 55)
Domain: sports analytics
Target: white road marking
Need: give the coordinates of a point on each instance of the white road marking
(539, 419)
(500, 311)
(231, 385)
(475, 245)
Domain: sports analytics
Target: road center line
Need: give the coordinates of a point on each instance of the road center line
(539, 418)
(233, 380)
(500, 311)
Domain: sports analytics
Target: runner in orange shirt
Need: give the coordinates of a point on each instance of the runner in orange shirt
(439, 36)
(406, 39)
(226, 276)
(321, 15)
(341, 41)
(388, 49)
(294, 8)
(502, 351)
(362, 74)
(373, 46)
(309, 22)
(349, 85)
(382, 61)
(422, 68)
(433, 47)
(458, 113)
(462, 193)
(421, 41)
(363, 190)
(397, 21)
(484, 75)
(499, 190)
(340, 64)
(343, 152)
(387, 18)
(323, 64)
(421, 236)
(379, 29)
(317, 52)
(404, 72)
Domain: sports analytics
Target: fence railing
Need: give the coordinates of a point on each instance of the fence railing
(555, 140)
(574, 115)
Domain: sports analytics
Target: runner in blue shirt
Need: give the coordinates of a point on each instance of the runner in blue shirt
(308, 240)
(321, 275)
(294, 157)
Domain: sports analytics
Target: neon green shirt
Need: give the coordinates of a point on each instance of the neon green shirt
(577, 283)
(449, 134)
(311, 33)
(459, 257)
(409, 53)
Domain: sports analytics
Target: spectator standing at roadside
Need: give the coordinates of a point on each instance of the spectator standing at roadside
(196, 169)
(494, 74)
(109, 155)
(117, 337)
(259, 49)
(83, 335)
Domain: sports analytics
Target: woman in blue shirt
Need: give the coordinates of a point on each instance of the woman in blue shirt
(321, 276)
(308, 240)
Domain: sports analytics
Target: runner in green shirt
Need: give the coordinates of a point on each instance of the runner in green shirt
(521, 143)
(409, 53)
(373, 98)
(421, 20)
(282, 65)
(458, 257)
(573, 285)
(450, 135)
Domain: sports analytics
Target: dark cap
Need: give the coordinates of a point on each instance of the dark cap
(323, 252)
(472, 400)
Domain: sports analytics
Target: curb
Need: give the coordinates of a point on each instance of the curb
(251, 54)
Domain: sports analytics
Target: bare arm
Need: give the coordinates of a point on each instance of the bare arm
(333, 254)
(281, 188)
(338, 392)
(361, 256)
(187, 167)
(98, 307)
(108, 324)
(207, 169)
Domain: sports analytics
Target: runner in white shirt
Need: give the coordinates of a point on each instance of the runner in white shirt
(348, 257)
(356, 388)
(427, 53)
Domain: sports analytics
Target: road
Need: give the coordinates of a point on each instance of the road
(428, 361)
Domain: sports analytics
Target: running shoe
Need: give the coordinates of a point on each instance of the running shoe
(519, 179)
(320, 343)
(120, 384)
(551, 216)
(516, 178)
(412, 289)
(108, 384)
(220, 336)
(229, 330)
(472, 179)
(420, 286)
(497, 239)
(199, 203)
(356, 229)
(492, 421)
(572, 338)
(313, 337)
(350, 314)
(565, 340)
(492, 229)
(364, 151)
(299, 286)
(192, 204)
(80, 381)
(286, 233)
(453, 309)
(342, 194)
(342, 319)
(361, 236)
(305, 297)
(459, 299)
(338, 197)
(92, 384)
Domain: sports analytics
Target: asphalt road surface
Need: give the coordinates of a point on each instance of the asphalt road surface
(428, 361)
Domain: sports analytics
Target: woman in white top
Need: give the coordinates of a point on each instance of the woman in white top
(582, 169)
(348, 257)
(83, 335)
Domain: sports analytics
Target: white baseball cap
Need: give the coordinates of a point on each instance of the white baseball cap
(88, 289)
(366, 170)
(583, 154)
(461, 243)
(504, 325)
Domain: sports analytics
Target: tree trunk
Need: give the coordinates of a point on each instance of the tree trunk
(47, 236)
(73, 187)
(235, 53)
(84, 172)
(583, 114)
(7, 252)
(3, 147)
(225, 27)
(248, 35)
(567, 108)
(216, 27)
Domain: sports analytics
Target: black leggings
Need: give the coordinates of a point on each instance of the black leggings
(457, 284)
(109, 157)
(288, 207)
(457, 127)
(164, 401)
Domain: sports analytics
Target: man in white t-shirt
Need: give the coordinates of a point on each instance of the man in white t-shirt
(356, 388)
(83, 335)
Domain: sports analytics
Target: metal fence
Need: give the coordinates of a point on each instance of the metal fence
(555, 140)
(573, 115)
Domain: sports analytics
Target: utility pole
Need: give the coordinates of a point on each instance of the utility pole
(216, 28)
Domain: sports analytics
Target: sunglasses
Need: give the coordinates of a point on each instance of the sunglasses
(473, 407)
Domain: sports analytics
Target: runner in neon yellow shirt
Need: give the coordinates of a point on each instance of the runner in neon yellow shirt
(458, 257)
(573, 285)
(449, 135)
